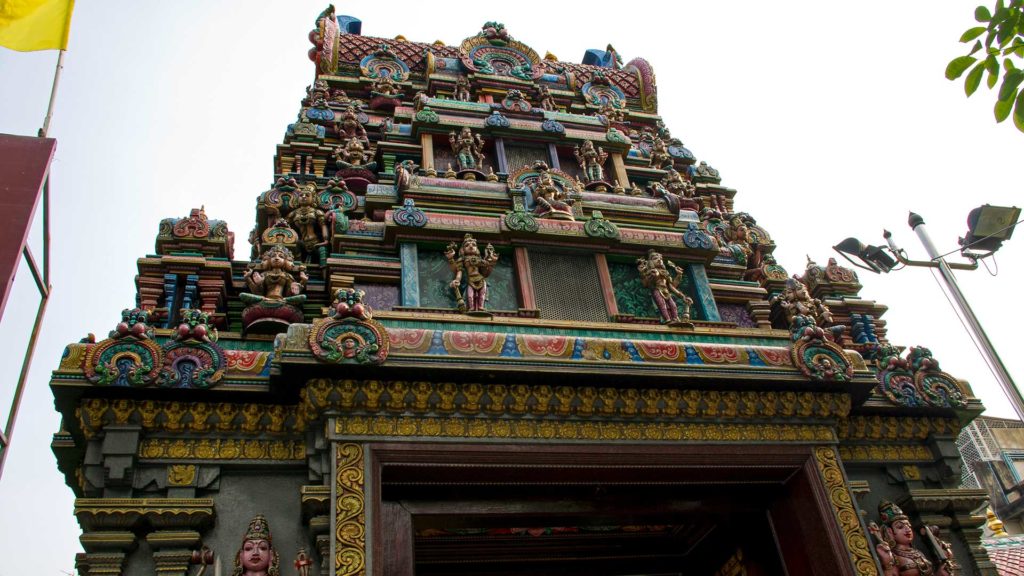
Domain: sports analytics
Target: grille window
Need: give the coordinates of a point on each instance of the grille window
(566, 287)
(519, 154)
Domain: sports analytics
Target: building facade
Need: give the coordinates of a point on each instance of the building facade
(497, 319)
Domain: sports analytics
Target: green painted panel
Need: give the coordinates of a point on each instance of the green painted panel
(434, 276)
(632, 297)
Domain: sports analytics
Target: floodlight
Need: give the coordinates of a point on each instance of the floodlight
(987, 227)
(873, 258)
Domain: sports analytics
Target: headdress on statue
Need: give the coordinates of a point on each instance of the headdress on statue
(259, 529)
(889, 512)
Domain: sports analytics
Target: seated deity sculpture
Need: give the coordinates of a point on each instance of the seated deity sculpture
(271, 279)
(352, 155)
(550, 199)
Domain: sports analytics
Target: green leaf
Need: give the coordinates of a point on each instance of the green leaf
(992, 65)
(1012, 79)
(1008, 65)
(1002, 109)
(974, 79)
(981, 14)
(972, 34)
(958, 65)
(1018, 113)
(977, 46)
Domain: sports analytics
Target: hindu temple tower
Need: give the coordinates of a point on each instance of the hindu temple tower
(494, 318)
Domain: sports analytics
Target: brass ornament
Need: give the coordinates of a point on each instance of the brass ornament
(846, 516)
(350, 521)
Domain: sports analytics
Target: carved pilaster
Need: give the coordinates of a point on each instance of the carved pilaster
(316, 509)
(105, 552)
(172, 550)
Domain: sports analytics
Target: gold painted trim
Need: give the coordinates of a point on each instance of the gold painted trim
(886, 453)
(577, 430)
(846, 516)
(221, 449)
(350, 519)
(896, 428)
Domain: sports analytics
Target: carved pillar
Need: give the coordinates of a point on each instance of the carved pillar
(952, 510)
(172, 550)
(703, 298)
(211, 294)
(316, 509)
(410, 275)
(150, 291)
(620, 170)
(105, 552)
(553, 156)
(427, 149)
(525, 277)
(607, 290)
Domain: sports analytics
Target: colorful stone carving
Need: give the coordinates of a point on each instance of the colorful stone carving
(352, 155)
(193, 359)
(349, 335)
(547, 101)
(591, 160)
(551, 199)
(275, 293)
(474, 268)
(895, 550)
(310, 223)
(916, 380)
(128, 357)
(468, 149)
(664, 288)
(462, 90)
(257, 556)
(350, 127)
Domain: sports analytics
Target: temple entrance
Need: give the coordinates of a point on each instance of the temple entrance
(601, 510)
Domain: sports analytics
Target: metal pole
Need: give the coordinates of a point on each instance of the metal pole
(987, 349)
(53, 96)
(26, 364)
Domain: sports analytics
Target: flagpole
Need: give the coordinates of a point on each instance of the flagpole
(53, 96)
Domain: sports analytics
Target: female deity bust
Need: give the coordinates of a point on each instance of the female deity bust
(895, 546)
(256, 556)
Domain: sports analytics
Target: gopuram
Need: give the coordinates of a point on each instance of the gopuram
(494, 318)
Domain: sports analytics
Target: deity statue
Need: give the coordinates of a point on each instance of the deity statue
(302, 562)
(613, 113)
(659, 153)
(550, 200)
(795, 300)
(895, 546)
(317, 93)
(256, 556)
(547, 101)
(477, 268)
(676, 184)
(420, 100)
(664, 286)
(591, 160)
(462, 90)
(271, 278)
(350, 126)
(352, 155)
(468, 149)
(386, 87)
(309, 221)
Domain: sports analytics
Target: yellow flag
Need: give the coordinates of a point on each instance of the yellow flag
(27, 25)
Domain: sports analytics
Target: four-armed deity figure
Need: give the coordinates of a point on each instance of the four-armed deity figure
(550, 200)
(469, 149)
(664, 286)
(256, 556)
(462, 90)
(547, 101)
(353, 156)
(309, 221)
(271, 278)
(894, 546)
(591, 160)
(477, 268)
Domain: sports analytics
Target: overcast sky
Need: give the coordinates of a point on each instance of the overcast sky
(830, 119)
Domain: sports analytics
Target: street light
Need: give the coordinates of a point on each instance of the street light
(988, 227)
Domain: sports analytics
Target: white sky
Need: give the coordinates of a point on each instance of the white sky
(831, 120)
